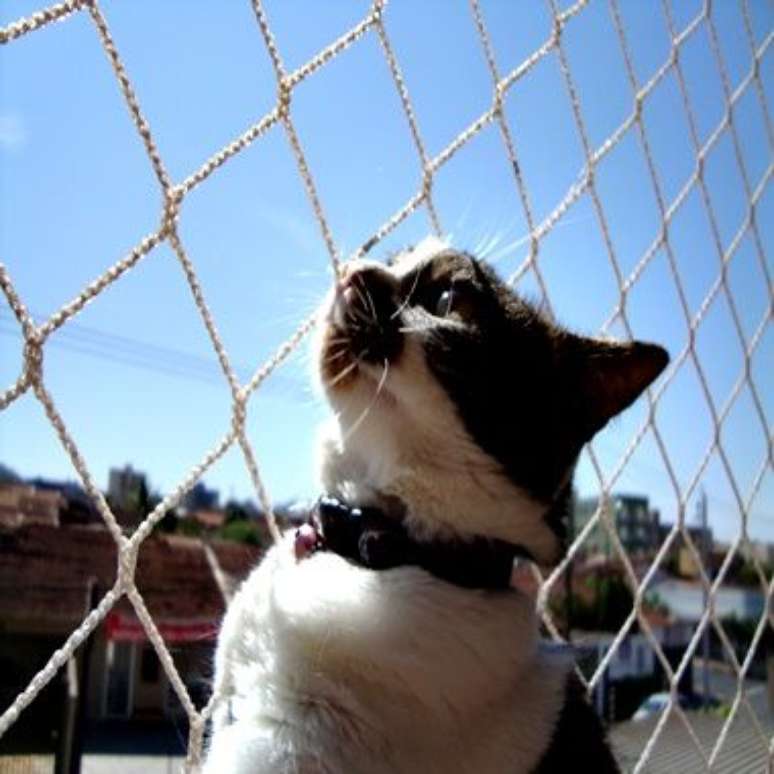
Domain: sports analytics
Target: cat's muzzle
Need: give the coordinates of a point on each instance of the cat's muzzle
(366, 310)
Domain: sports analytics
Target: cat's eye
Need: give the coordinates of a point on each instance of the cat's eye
(447, 300)
(444, 303)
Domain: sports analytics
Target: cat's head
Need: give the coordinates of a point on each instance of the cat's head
(458, 405)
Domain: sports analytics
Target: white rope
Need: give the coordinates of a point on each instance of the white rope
(32, 376)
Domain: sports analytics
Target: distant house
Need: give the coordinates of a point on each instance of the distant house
(763, 552)
(208, 519)
(49, 578)
(126, 489)
(634, 671)
(685, 600)
(22, 504)
(78, 507)
(636, 523)
(633, 658)
(685, 561)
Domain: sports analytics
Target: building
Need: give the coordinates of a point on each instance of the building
(686, 600)
(126, 487)
(207, 519)
(744, 747)
(49, 579)
(23, 504)
(128, 496)
(636, 523)
(633, 670)
(78, 507)
(763, 552)
(681, 560)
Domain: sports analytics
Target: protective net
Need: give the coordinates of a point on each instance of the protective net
(673, 723)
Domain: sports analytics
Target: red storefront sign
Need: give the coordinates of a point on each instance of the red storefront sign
(121, 627)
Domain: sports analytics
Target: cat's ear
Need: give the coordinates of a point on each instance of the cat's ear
(610, 376)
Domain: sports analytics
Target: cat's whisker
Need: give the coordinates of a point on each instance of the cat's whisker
(367, 410)
(374, 315)
(414, 328)
(406, 300)
(504, 251)
(487, 247)
(462, 221)
(358, 292)
(487, 235)
(359, 315)
(480, 237)
(491, 245)
(347, 370)
(354, 364)
(367, 303)
(339, 353)
(501, 230)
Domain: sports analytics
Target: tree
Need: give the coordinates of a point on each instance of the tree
(8, 476)
(235, 511)
(169, 522)
(242, 531)
(189, 526)
(603, 603)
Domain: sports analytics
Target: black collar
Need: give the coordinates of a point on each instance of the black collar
(369, 538)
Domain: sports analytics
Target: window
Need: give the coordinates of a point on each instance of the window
(149, 665)
(119, 666)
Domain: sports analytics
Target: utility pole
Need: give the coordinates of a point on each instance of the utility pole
(701, 512)
(77, 730)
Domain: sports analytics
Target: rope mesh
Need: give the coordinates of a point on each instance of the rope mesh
(32, 377)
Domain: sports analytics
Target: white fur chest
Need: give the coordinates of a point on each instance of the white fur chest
(327, 667)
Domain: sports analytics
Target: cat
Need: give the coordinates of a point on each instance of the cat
(382, 636)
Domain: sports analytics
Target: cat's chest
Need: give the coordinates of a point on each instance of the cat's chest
(408, 696)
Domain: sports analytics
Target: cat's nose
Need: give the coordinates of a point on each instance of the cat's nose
(367, 294)
(370, 290)
(366, 308)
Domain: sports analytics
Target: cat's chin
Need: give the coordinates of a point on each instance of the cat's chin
(368, 397)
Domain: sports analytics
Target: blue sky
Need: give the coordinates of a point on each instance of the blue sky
(134, 374)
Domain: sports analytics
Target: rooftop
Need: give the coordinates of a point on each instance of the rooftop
(744, 750)
(45, 574)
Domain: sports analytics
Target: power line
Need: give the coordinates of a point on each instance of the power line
(123, 350)
(124, 358)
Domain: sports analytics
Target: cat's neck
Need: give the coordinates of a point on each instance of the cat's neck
(460, 496)
(377, 540)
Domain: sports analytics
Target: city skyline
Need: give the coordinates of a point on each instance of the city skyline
(211, 498)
